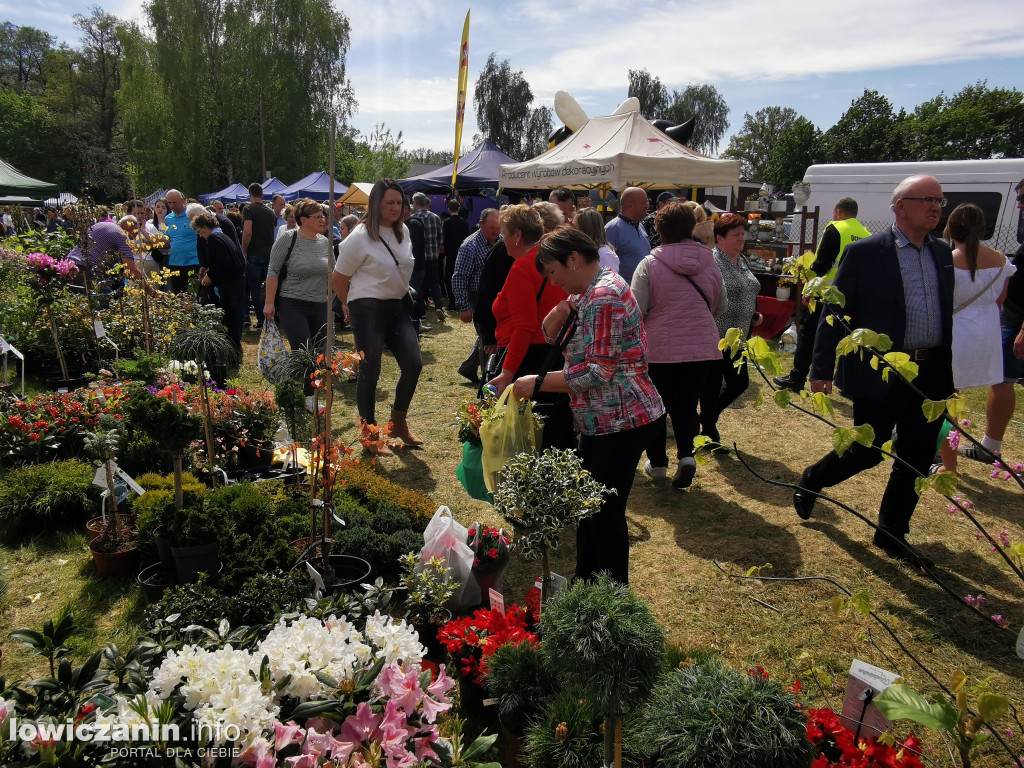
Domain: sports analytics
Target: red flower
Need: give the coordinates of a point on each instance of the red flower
(34, 436)
(473, 639)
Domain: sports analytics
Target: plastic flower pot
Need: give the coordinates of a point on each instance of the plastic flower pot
(349, 571)
(189, 562)
(163, 552)
(154, 579)
(115, 565)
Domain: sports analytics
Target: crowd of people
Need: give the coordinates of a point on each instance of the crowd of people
(612, 325)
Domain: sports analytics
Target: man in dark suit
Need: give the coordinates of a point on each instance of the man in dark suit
(900, 283)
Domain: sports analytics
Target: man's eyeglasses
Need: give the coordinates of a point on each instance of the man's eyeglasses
(939, 201)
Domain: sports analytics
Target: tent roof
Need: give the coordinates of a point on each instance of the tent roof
(16, 184)
(358, 194)
(621, 151)
(478, 168)
(271, 187)
(316, 186)
(226, 195)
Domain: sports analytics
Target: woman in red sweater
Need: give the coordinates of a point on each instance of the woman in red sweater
(520, 308)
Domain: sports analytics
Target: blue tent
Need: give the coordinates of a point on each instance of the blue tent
(478, 169)
(271, 187)
(316, 186)
(227, 195)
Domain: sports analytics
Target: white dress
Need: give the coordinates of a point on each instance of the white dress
(977, 349)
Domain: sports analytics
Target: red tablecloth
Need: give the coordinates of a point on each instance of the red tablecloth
(776, 316)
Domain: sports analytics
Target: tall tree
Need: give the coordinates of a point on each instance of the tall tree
(503, 102)
(975, 124)
(711, 111)
(652, 95)
(23, 51)
(368, 158)
(752, 146)
(798, 147)
(870, 131)
(431, 156)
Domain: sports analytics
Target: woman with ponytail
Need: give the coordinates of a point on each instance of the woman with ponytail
(981, 278)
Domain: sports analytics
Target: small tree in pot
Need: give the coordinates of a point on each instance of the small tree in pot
(603, 638)
(539, 495)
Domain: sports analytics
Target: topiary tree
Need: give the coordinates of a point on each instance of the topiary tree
(603, 638)
(707, 714)
(540, 494)
(517, 677)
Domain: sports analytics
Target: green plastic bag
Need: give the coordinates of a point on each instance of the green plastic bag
(507, 430)
(471, 472)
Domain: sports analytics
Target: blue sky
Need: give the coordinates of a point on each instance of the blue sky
(815, 57)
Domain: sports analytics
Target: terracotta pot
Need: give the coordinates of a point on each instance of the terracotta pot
(116, 565)
(95, 526)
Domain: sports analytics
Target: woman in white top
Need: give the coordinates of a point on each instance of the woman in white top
(982, 275)
(591, 223)
(371, 277)
(153, 261)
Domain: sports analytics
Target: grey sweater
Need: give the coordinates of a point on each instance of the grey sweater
(307, 267)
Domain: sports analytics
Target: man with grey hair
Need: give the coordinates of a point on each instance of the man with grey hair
(469, 265)
(433, 237)
(625, 234)
(900, 283)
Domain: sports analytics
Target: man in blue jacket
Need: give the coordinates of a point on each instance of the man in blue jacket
(900, 283)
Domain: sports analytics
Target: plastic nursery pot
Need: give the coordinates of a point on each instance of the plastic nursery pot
(513, 746)
(154, 579)
(115, 565)
(71, 383)
(189, 562)
(163, 552)
(349, 571)
(427, 631)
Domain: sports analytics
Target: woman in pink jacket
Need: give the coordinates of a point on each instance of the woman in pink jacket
(679, 290)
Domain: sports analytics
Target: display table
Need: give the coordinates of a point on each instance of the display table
(775, 316)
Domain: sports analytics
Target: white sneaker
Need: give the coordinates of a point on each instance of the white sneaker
(655, 473)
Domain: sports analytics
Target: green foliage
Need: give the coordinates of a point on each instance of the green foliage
(797, 147)
(712, 113)
(869, 131)
(650, 92)
(142, 368)
(602, 637)
(375, 156)
(752, 144)
(567, 733)
(428, 587)
(164, 422)
(257, 601)
(844, 437)
(517, 677)
(540, 494)
(35, 497)
(707, 714)
(504, 112)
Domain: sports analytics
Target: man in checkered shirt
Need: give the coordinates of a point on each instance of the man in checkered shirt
(433, 236)
(469, 265)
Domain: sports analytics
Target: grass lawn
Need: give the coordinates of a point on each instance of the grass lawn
(728, 517)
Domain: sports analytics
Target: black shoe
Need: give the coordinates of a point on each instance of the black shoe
(790, 382)
(803, 500)
(898, 548)
(469, 372)
(684, 475)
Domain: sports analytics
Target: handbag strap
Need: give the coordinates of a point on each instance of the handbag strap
(702, 294)
(392, 255)
(975, 297)
(291, 247)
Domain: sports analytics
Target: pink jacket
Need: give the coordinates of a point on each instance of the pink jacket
(679, 325)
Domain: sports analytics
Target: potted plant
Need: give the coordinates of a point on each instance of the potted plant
(777, 202)
(539, 495)
(428, 586)
(752, 203)
(196, 532)
(291, 402)
(603, 638)
(492, 554)
(115, 551)
(784, 288)
(48, 278)
(518, 678)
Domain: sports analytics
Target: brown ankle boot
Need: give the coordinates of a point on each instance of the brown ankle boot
(400, 429)
(378, 450)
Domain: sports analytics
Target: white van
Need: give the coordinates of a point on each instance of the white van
(986, 183)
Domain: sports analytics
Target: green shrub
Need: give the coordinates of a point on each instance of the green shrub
(373, 489)
(707, 714)
(390, 519)
(517, 678)
(41, 495)
(257, 601)
(566, 734)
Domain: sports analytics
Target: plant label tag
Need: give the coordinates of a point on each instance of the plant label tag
(865, 682)
(316, 577)
(97, 326)
(1020, 643)
(558, 583)
(496, 599)
(100, 478)
(129, 480)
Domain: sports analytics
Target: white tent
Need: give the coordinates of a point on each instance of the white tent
(620, 151)
(358, 194)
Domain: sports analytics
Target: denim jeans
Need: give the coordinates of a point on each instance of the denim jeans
(256, 275)
(379, 323)
(232, 301)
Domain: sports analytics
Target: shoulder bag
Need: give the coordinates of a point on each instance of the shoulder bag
(409, 299)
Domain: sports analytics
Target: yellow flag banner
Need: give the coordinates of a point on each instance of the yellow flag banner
(460, 104)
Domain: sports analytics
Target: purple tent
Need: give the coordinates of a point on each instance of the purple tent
(227, 195)
(271, 187)
(478, 169)
(316, 186)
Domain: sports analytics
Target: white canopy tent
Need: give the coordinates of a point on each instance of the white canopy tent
(616, 152)
(358, 194)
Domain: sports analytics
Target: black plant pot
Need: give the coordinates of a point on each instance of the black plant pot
(154, 579)
(189, 562)
(349, 572)
(72, 382)
(163, 552)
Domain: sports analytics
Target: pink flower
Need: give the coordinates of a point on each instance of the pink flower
(1004, 538)
(316, 743)
(965, 423)
(433, 707)
(258, 754)
(285, 734)
(341, 750)
(401, 687)
(362, 726)
(995, 474)
(301, 761)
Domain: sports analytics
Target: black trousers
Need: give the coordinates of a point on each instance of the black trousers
(602, 540)
(915, 443)
(680, 386)
(805, 344)
(724, 384)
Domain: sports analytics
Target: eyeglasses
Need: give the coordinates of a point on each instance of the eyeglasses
(318, 216)
(939, 201)
(1020, 198)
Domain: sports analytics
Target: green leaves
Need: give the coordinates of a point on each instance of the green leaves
(992, 706)
(944, 483)
(781, 397)
(844, 437)
(900, 702)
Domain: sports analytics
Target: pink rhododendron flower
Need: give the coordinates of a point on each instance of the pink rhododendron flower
(441, 703)
(402, 687)
(361, 726)
(258, 754)
(285, 734)
(316, 743)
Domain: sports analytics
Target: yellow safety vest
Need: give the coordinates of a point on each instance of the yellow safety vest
(849, 231)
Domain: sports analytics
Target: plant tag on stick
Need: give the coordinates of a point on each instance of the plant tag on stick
(1020, 643)
(864, 683)
(496, 599)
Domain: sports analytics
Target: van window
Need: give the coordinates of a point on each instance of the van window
(989, 202)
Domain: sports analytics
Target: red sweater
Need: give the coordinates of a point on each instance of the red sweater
(518, 313)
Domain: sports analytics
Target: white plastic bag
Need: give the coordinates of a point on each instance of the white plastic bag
(271, 355)
(445, 537)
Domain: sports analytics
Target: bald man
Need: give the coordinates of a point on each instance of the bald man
(184, 258)
(626, 235)
(900, 283)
